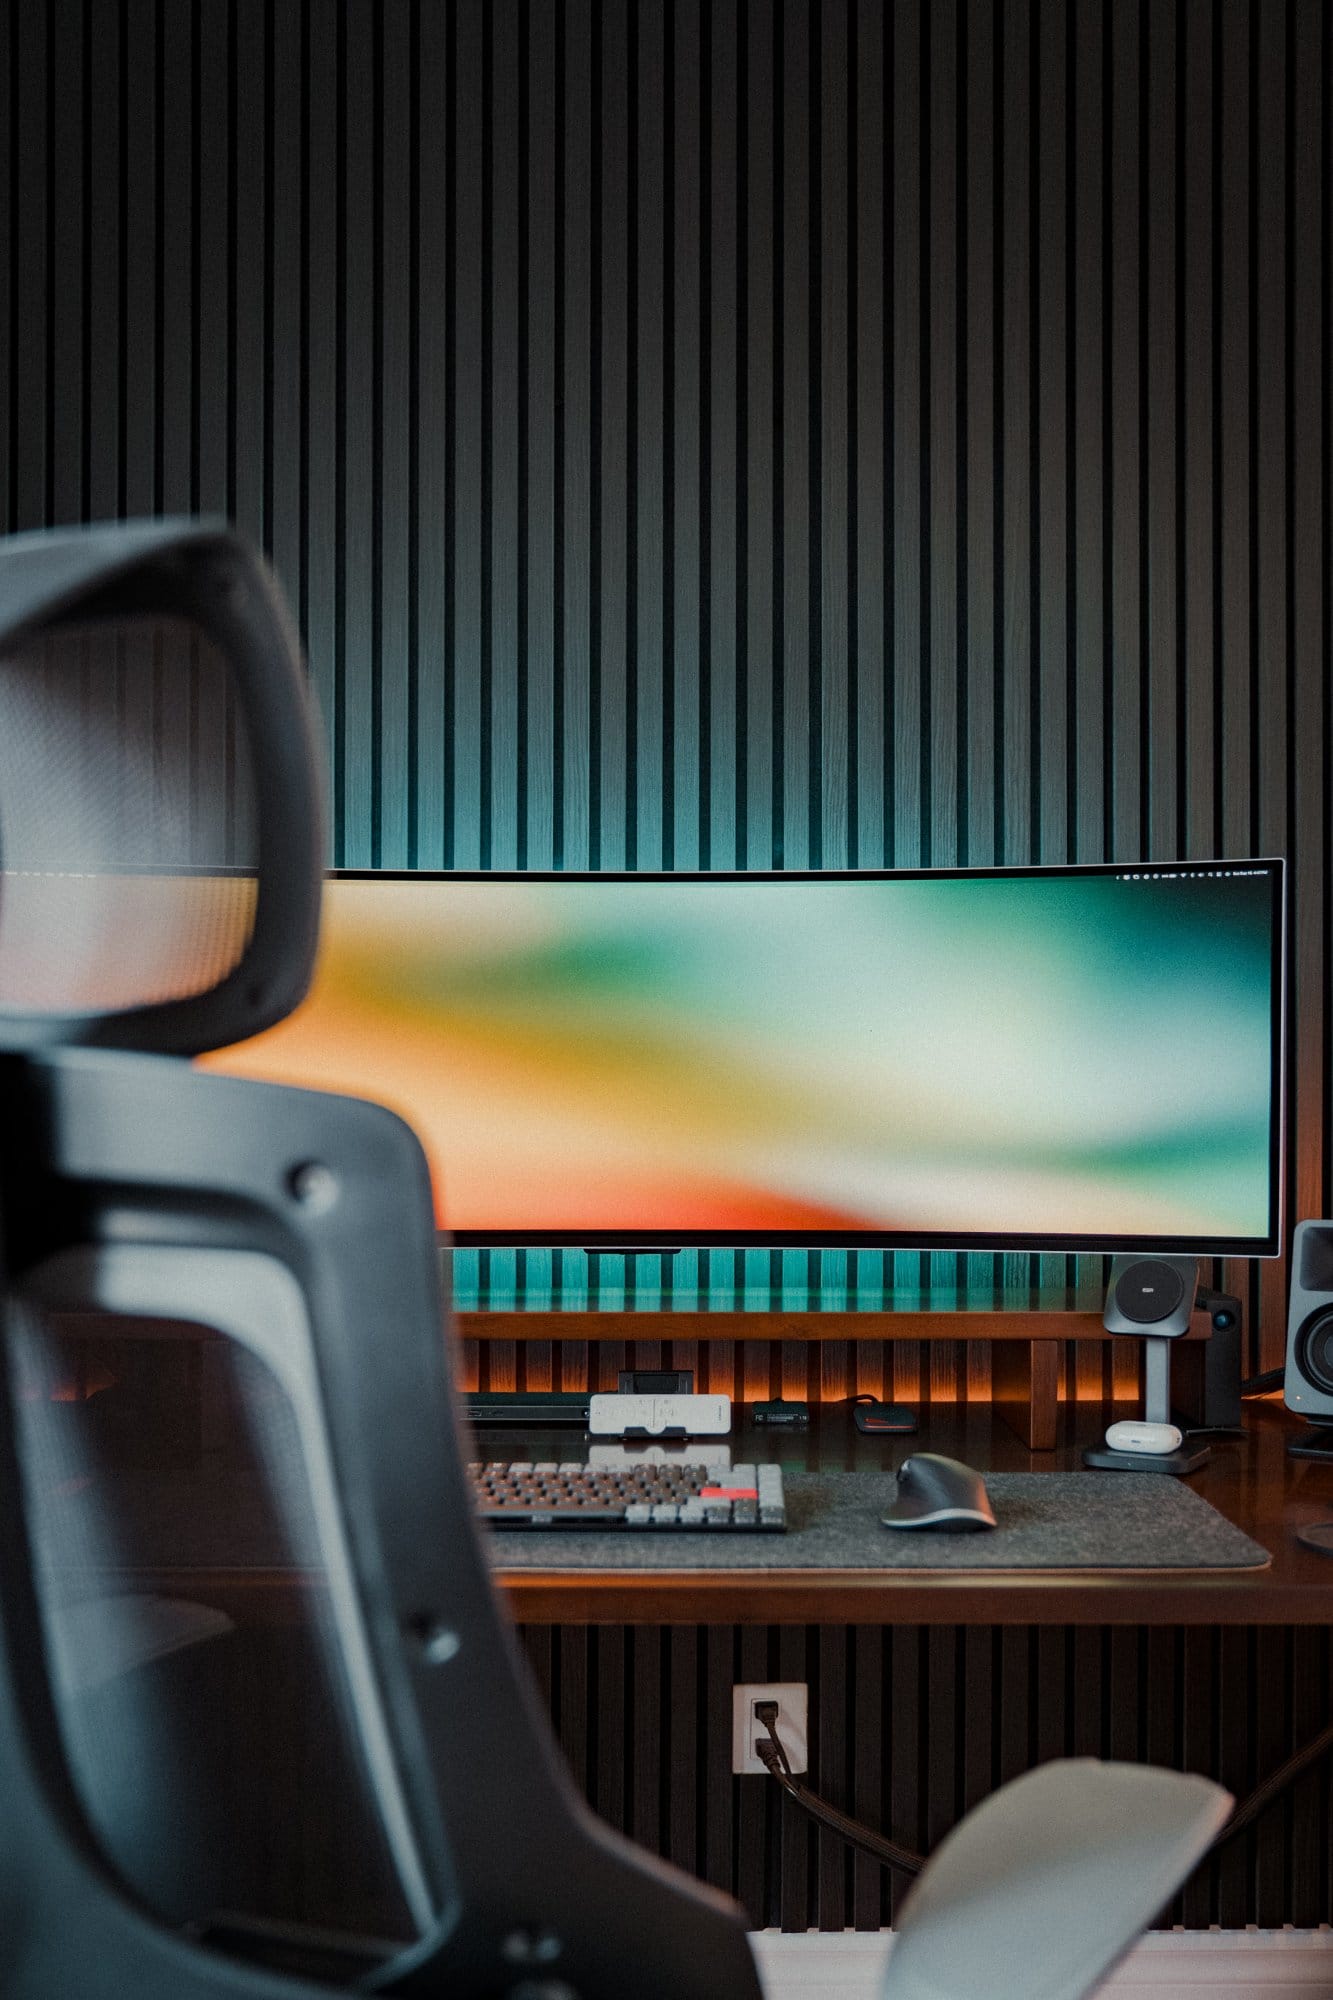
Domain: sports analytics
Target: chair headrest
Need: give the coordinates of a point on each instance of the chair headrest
(161, 815)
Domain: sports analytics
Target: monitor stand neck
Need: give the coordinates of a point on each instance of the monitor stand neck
(1157, 1381)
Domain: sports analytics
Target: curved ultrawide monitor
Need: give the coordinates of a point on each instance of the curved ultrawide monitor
(1046, 1058)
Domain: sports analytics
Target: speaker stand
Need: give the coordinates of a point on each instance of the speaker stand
(1156, 1410)
(1317, 1442)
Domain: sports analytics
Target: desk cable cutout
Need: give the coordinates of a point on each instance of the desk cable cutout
(890, 1855)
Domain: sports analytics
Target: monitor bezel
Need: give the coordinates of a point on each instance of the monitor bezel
(615, 1242)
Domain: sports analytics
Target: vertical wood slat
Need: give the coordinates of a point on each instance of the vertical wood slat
(1013, 387)
(684, 609)
(391, 404)
(865, 1714)
(469, 661)
(1310, 567)
(1271, 677)
(904, 724)
(723, 373)
(68, 325)
(320, 83)
(1234, 518)
(29, 191)
(9, 230)
(726, 436)
(1051, 462)
(428, 679)
(1197, 471)
(577, 391)
(612, 798)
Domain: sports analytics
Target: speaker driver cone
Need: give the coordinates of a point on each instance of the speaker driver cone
(1149, 1291)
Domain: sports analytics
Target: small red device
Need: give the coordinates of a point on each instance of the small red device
(874, 1419)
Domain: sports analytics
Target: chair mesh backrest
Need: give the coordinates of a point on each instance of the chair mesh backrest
(128, 829)
(186, 1595)
(183, 1584)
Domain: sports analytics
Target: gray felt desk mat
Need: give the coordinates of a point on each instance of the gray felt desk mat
(1047, 1521)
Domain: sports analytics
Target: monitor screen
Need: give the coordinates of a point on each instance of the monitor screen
(1058, 1058)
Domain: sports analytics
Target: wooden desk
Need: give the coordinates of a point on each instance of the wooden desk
(1251, 1481)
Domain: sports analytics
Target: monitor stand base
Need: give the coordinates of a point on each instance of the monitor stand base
(1178, 1463)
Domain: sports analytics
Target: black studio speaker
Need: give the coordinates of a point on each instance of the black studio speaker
(1308, 1386)
(1152, 1297)
(1206, 1374)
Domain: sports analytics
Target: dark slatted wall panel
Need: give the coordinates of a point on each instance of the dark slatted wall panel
(911, 1727)
(726, 435)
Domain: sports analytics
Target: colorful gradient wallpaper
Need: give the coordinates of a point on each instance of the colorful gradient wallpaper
(1047, 1054)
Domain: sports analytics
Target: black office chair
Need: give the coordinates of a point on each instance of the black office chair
(237, 1551)
(276, 1251)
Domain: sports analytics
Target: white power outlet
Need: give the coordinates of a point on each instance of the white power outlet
(792, 1725)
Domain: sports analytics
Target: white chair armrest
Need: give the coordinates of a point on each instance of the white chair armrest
(1041, 1889)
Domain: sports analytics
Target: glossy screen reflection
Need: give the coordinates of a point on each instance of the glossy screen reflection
(1039, 1057)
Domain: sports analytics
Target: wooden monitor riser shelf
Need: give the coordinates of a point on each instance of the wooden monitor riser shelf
(1025, 1368)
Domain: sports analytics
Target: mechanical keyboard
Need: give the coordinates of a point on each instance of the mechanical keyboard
(652, 1496)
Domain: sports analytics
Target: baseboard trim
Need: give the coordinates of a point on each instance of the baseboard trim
(1226, 1965)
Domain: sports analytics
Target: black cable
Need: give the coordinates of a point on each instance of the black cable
(1264, 1794)
(1263, 1385)
(886, 1852)
(775, 1758)
(890, 1855)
